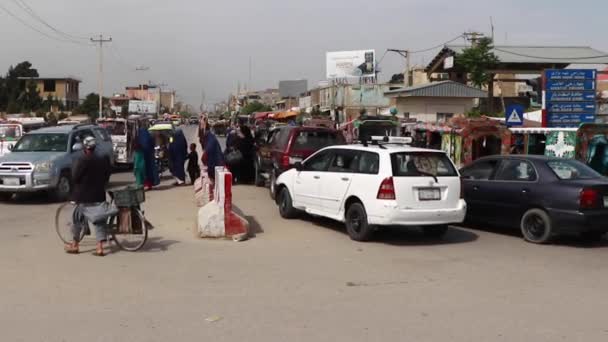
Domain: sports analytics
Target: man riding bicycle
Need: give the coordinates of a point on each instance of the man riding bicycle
(90, 177)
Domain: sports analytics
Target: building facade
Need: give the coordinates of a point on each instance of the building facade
(63, 89)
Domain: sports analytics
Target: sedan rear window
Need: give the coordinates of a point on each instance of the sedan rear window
(419, 164)
(572, 169)
(315, 140)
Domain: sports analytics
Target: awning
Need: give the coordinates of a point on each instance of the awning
(285, 115)
(261, 115)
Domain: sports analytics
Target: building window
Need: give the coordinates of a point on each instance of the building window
(406, 115)
(49, 86)
(444, 117)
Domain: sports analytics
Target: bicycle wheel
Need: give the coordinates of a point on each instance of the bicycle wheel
(65, 217)
(133, 237)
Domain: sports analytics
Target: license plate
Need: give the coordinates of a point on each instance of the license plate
(429, 194)
(11, 181)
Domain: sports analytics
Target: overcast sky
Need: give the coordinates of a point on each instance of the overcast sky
(195, 45)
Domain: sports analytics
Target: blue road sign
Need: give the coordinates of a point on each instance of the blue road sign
(570, 85)
(514, 115)
(569, 120)
(571, 107)
(570, 74)
(570, 96)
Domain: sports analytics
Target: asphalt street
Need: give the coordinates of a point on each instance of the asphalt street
(300, 280)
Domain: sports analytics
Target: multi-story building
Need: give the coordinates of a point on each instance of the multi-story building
(62, 89)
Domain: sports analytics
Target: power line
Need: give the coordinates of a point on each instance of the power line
(550, 58)
(37, 30)
(23, 5)
(438, 46)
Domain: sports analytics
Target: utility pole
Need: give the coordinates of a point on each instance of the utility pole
(405, 54)
(473, 37)
(101, 40)
(249, 85)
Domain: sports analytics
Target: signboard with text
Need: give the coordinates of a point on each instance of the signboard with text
(142, 107)
(351, 64)
(570, 97)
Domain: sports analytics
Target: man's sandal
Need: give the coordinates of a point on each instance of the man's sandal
(71, 248)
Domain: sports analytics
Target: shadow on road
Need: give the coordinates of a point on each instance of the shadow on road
(254, 224)
(562, 240)
(402, 236)
(157, 244)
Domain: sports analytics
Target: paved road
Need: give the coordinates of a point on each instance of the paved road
(300, 280)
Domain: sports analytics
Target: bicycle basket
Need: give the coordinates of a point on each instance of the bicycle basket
(131, 196)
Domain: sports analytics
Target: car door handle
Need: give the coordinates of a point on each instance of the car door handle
(346, 179)
(525, 191)
(475, 188)
(316, 177)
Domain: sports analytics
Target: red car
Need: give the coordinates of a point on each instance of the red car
(288, 145)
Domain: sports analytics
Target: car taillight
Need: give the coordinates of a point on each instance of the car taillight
(590, 199)
(387, 189)
(285, 161)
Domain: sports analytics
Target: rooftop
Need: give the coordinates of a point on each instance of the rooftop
(438, 89)
(60, 78)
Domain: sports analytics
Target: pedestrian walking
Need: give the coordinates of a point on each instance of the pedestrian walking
(244, 170)
(139, 163)
(146, 142)
(90, 175)
(178, 151)
(212, 155)
(194, 170)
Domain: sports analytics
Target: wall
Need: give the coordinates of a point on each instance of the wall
(426, 108)
(66, 91)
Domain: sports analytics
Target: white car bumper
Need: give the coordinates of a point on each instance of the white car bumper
(391, 215)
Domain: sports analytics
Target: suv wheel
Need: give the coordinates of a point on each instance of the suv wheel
(63, 189)
(259, 180)
(357, 225)
(273, 185)
(536, 226)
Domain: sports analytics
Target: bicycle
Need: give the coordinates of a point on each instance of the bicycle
(124, 204)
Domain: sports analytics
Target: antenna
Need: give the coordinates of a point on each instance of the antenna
(492, 27)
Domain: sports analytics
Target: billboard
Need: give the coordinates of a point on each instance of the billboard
(351, 64)
(142, 107)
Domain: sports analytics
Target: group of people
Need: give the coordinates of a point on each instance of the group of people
(238, 156)
(146, 168)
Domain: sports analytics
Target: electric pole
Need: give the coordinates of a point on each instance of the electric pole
(101, 40)
(405, 54)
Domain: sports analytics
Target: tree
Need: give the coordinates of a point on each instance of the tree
(255, 106)
(17, 95)
(477, 60)
(90, 105)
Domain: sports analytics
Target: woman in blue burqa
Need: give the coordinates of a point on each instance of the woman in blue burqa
(178, 152)
(146, 143)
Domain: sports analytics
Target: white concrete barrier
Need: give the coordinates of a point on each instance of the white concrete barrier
(216, 218)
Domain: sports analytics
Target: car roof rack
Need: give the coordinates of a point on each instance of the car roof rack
(81, 125)
(378, 140)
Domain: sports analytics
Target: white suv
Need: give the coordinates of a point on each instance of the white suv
(369, 186)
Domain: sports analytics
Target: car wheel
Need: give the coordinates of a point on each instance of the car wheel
(435, 231)
(536, 226)
(357, 225)
(273, 185)
(592, 236)
(286, 208)
(63, 189)
(259, 180)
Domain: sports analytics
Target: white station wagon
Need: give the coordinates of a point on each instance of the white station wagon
(373, 185)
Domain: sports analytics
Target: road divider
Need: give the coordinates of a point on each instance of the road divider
(216, 218)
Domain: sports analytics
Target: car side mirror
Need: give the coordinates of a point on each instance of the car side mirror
(77, 147)
(298, 166)
(10, 147)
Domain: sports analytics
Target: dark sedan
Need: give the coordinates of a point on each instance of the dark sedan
(543, 196)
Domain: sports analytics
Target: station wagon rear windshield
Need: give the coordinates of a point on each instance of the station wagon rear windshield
(314, 140)
(420, 164)
(56, 142)
(572, 170)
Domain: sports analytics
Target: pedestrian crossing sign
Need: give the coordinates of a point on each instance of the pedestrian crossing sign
(514, 115)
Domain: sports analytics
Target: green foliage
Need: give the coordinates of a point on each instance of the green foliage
(90, 105)
(255, 106)
(477, 60)
(18, 95)
(474, 113)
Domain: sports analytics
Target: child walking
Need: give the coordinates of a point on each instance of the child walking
(194, 170)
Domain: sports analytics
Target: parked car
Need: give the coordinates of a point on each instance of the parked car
(193, 121)
(543, 196)
(369, 187)
(42, 159)
(288, 145)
